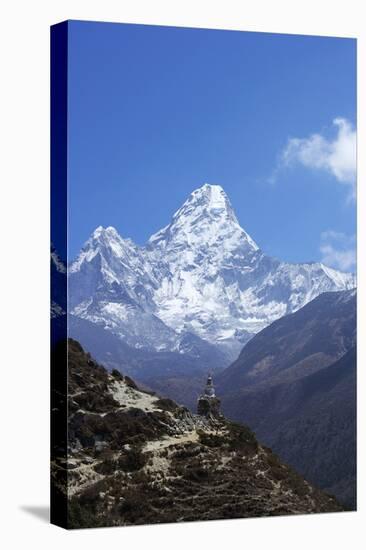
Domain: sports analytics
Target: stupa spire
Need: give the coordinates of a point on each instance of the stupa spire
(208, 404)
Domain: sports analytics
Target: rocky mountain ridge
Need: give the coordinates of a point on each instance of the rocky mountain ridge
(294, 383)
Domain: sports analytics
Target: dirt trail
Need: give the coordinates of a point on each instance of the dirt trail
(168, 441)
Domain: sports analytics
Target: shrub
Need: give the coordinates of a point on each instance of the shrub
(106, 467)
(116, 374)
(132, 460)
(241, 438)
(211, 440)
(130, 383)
(166, 404)
(134, 506)
(196, 473)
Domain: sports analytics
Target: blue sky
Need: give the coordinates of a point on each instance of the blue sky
(155, 112)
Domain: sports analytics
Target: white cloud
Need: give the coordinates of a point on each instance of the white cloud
(338, 250)
(337, 155)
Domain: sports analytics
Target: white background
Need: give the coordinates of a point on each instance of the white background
(24, 234)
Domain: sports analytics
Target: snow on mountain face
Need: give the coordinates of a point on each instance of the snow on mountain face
(201, 274)
(203, 253)
(205, 222)
(111, 284)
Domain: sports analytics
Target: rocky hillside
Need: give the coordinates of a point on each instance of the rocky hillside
(135, 458)
(295, 384)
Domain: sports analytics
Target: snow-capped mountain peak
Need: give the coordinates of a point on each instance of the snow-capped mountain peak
(210, 199)
(205, 219)
(108, 243)
(201, 275)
